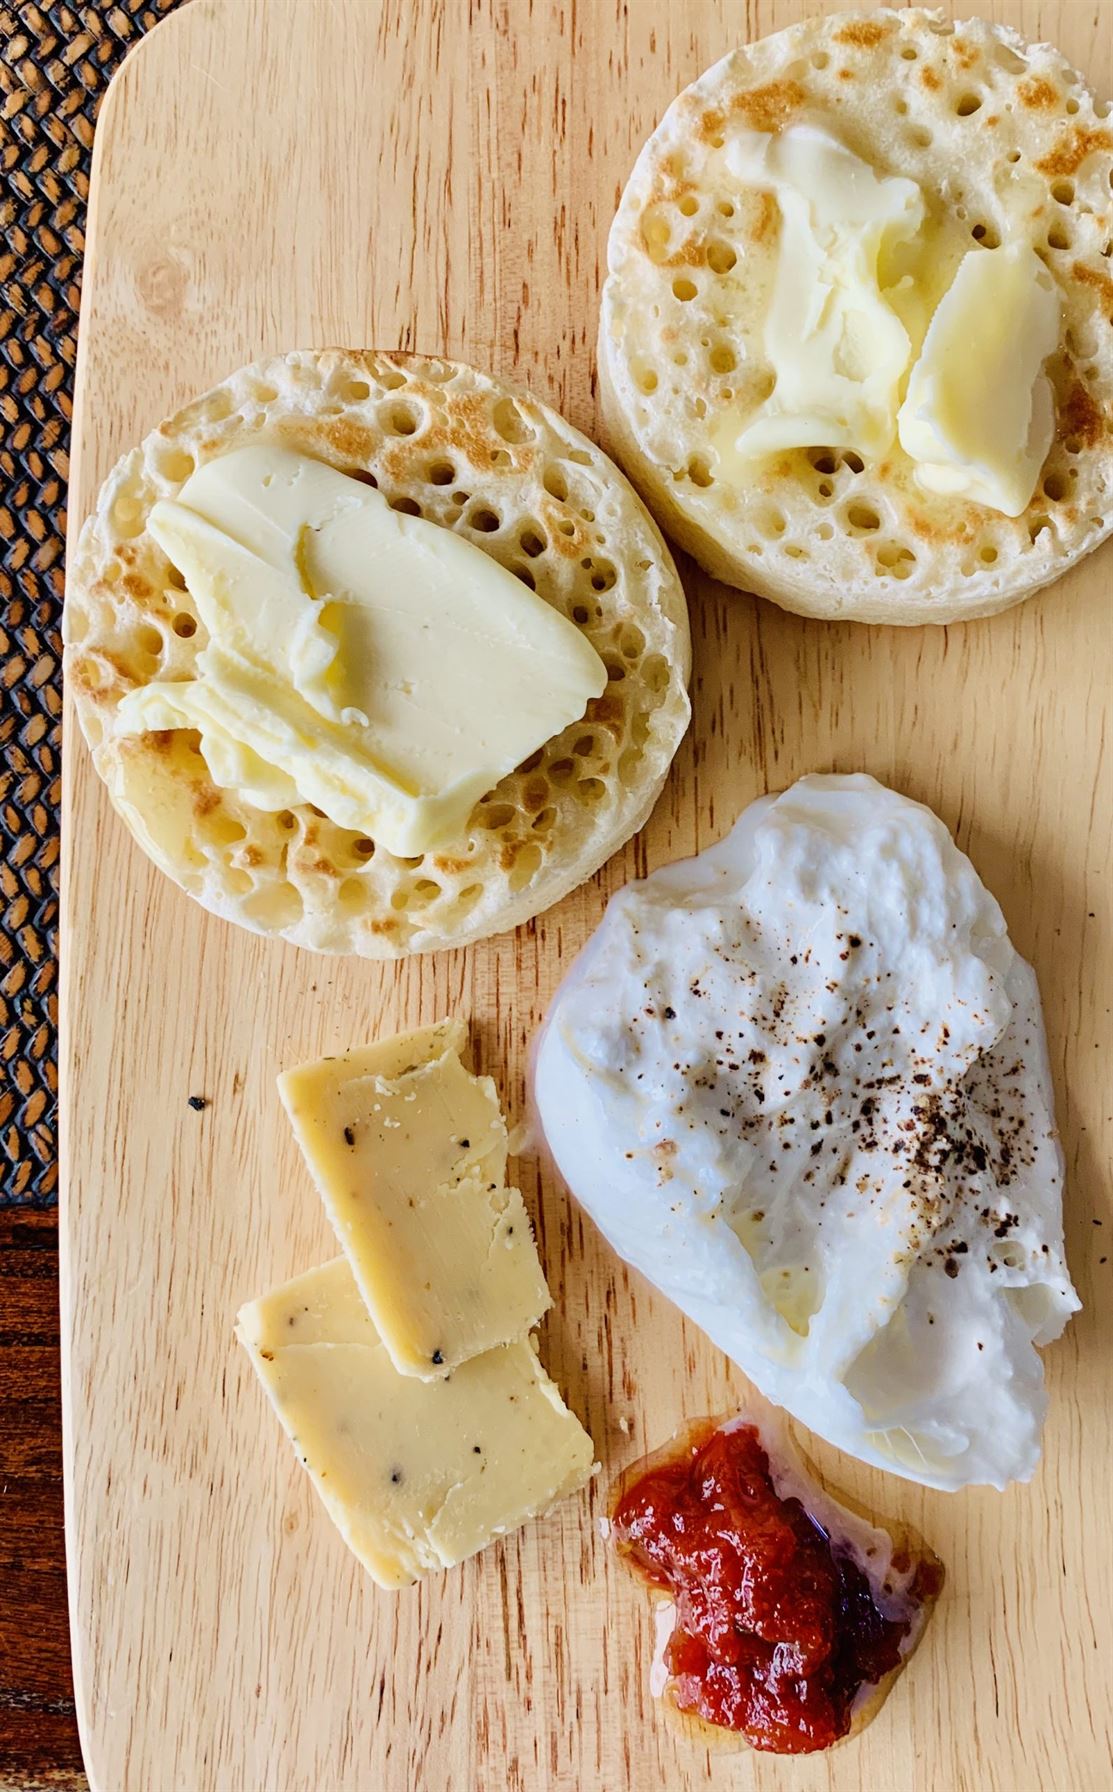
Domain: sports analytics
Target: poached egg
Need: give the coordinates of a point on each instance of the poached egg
(801, 1083)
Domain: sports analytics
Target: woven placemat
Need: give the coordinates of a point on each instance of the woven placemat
(55, 63)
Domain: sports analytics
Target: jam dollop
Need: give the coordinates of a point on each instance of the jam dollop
(777, 1625)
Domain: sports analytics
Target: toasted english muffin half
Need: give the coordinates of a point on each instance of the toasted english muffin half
(1007, 145)
(461, 449)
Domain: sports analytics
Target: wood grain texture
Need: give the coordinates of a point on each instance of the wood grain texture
(38, 1731)
(441, 175)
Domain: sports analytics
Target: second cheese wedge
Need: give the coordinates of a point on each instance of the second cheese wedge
(416, 1475)
(408, 1150)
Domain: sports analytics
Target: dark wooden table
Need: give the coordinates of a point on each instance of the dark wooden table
(38, 1731)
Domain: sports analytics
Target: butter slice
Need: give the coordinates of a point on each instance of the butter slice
(980, 412)
(408, 1150)
(375, 664)
(836, 347)
(415, 1475)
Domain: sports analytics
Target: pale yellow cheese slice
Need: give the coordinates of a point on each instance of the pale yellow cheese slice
(416, 1475)
(408, 1150)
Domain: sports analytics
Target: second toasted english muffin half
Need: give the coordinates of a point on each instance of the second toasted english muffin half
(344, 585)
(811, 398)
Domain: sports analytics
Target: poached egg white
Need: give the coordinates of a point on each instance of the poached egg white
(801, 1083)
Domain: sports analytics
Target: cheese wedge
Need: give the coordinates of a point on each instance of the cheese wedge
(408, 1150)
(416, 1475)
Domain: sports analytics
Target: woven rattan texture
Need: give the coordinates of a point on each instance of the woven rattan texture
(55, 63)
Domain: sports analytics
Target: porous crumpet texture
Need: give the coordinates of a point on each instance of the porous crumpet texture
(1008, 146)
(441, 441)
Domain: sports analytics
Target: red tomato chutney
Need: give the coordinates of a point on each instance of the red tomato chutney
(777, 1627)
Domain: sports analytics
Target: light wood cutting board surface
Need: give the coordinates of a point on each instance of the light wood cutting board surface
(440, 175)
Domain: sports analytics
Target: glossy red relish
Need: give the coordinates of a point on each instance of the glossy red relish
(777, 1629)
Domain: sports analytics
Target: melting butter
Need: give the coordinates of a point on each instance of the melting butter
(372, 663)
(836, 347)
(980, 412)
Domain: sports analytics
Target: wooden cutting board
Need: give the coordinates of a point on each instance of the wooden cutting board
(441, 174)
